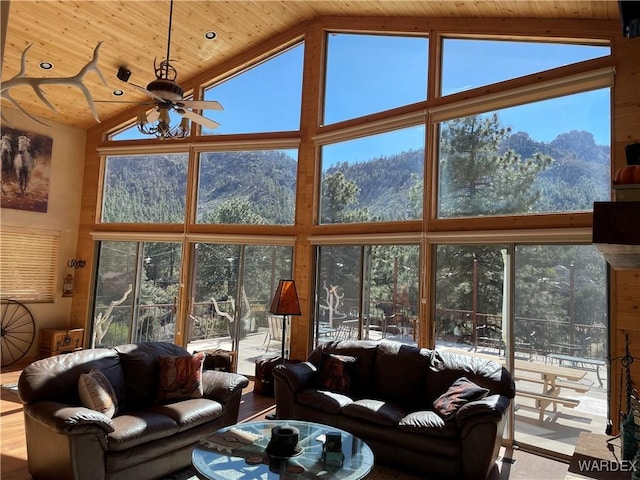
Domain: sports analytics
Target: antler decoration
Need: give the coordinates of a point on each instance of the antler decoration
(37, 83)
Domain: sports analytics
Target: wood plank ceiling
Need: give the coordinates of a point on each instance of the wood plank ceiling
(134, 33)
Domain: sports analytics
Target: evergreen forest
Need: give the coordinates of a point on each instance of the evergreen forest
(484, 169)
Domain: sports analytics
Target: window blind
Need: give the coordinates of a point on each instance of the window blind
(28, 262)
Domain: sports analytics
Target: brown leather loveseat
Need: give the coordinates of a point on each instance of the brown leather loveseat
(149, 436)
(438, 414)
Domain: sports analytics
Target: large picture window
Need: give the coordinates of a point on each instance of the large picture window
(367, 292)
(145, 188)
(377, 144)
(470, 63)
(545, 157)
(251, 187)
(264, 98)
(373, 179)
(136, 297)
(231, 290)
(372, 73)
(559, 305)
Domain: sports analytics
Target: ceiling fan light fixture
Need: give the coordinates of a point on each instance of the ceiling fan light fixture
(164, 115)
(169, 97)
(162, 129)
(142, 119)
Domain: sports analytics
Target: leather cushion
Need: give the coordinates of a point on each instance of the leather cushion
(190, 413)
(375, 411)
(180, 376)
(447, 367)
(400, 373)
(136, 428)
(363, 350)
(428, 422)
(141, 370)
(330, 402)
(97, 393)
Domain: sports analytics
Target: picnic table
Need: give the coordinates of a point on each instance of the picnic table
(553, 379)
(590, 364)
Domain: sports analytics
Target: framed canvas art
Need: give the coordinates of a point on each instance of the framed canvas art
(26, 169)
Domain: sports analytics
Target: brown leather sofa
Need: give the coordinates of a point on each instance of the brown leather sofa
(390, 404)
(145, 439)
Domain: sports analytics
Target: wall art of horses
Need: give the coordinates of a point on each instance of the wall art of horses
(26, 169)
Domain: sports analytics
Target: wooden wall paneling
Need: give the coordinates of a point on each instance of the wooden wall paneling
(81, 315)
(306, 204)
(240, 26)
(625, 284)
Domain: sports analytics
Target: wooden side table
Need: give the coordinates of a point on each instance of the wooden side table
(54, 341)
(595, 458)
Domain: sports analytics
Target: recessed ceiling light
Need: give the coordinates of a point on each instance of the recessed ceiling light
(210, 35)
(46, 65)
(117, 93)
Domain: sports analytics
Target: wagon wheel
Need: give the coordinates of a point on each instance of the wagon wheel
(17, 333)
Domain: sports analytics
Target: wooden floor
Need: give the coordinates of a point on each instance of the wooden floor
(13, 453)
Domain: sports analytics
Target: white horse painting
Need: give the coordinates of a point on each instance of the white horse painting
(8, 172)
(26, 167)
(23, 162)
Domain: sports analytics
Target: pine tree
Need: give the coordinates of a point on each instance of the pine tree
(475, 178)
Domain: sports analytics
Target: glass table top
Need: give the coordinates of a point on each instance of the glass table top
(238, 451)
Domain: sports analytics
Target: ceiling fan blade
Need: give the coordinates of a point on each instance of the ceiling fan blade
(196, 117)
(200, 104)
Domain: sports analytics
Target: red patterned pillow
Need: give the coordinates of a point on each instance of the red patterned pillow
(336, 373)
(181, 377)
(462, 391)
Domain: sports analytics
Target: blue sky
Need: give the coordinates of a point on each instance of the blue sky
(369, 73)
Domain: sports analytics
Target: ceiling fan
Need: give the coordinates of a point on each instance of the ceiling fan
(168, 97)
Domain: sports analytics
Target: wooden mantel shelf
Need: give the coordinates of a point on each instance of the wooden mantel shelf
(616, 233)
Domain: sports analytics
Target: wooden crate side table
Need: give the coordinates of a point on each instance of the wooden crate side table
(596, 458)
(54, 341)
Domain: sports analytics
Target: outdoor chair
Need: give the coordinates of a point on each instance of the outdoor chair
(275, 330)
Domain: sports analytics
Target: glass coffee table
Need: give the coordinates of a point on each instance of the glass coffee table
(238, 451)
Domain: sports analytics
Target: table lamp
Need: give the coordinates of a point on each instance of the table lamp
(285, 302)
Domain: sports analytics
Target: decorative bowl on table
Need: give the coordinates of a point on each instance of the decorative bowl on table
(284, 442)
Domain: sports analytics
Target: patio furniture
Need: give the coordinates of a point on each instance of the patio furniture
(275, 330)
(589, 364)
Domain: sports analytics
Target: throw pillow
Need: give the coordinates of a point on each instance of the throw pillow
(96, 393)
(336, 373)
(461, 392)
(180, 377)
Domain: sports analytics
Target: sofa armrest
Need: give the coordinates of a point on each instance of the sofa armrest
(297, 376)
(69, 419)
(221, 386)
(226, 388)
(481, 426)
(493, 406)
